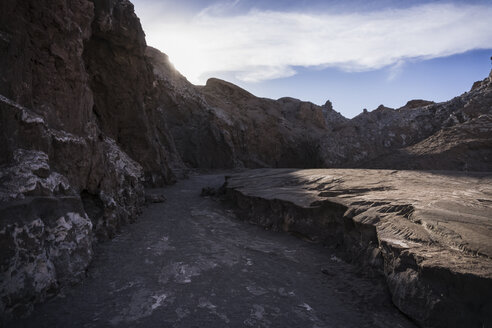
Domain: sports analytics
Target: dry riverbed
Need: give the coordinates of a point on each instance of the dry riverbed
(189, 262)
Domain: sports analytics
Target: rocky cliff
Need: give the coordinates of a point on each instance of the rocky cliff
(79, 138)
(220, 125)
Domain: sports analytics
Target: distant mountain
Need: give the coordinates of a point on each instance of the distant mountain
(220, 125)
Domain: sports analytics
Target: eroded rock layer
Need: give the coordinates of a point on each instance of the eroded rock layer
(429, 233)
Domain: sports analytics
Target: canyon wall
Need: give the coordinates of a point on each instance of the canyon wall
(89, 115)
(79, 139)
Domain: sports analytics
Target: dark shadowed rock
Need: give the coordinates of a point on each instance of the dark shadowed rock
(197, 131)
(220, 125)
(382, 138)
(121, 81)
(154, 198)
(44, 186)
(64, 179)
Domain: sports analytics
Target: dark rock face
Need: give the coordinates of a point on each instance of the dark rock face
(65, 181)
(41, 209)
(41, 62)
(45, 104)
(220, 125)
(121, 79)
(292, 143)
(45, 234)
(197, 132)
(453, 135)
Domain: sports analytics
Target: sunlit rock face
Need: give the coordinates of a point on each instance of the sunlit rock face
(428, 233)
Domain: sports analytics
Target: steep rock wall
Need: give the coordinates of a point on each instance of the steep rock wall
(121, 81)
(75, 90)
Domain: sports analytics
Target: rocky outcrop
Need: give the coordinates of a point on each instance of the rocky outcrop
(122, 84)
(45, 234)
(452, 135)
(80, 134)
(428, 233)
(220, 125)
(197, 131)
(464, 146)
(292, 143)
(58, 192)
(388, 138)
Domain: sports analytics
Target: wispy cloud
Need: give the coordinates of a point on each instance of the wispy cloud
(395, 70)
(262, 45)
(220, 8)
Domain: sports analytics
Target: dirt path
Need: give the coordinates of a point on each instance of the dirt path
(189, 262)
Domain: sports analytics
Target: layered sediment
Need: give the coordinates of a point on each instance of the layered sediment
(427, 232)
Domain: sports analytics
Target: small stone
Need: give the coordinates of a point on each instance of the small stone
(155, 198)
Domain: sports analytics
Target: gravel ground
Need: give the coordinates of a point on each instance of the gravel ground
(188, 262)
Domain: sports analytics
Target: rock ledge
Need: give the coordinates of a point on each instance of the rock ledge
(428, 232)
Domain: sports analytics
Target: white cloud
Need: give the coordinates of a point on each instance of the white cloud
(262, 45)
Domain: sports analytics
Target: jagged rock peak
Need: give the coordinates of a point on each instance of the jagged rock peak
(484, 83)
(328, 105)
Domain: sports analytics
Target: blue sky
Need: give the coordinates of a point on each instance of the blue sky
(358, 54)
